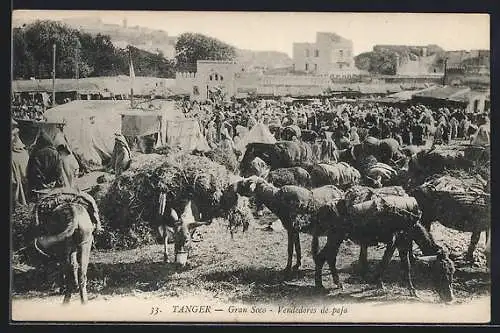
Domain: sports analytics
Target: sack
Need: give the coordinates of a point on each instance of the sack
(358, 194)
(390, 205)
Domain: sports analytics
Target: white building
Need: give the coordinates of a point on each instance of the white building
(330, 54)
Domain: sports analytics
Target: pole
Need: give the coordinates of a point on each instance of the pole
(53, 74)
(445, 69)
(77, 73)
(131, 80)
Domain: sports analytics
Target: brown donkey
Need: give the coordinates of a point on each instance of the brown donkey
(66, 235)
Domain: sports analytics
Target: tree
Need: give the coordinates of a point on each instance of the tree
(97, 56)
(191, 47)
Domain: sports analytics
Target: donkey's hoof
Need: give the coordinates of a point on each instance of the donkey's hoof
(413, 294)
(287, 273)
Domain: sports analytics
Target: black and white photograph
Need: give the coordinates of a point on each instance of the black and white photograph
(250, 167)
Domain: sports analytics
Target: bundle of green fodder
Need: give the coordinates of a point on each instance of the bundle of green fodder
(240, 215)
(357, 194)
(379, 211)
(310, 209)
(459, 202)
(133, 196)
(22, 225)
(225, 157)
(339, 174)
(290, 176)
(166, 150)
(480, 157)
(380, 208)
(442, 158)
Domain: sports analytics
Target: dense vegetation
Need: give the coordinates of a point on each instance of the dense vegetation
(191, 47)
(97, 56)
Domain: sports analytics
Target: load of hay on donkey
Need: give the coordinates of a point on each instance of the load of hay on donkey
(452, 185)
(129, 204)
(458, 158)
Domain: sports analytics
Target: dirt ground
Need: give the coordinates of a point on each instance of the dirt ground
(247, 269)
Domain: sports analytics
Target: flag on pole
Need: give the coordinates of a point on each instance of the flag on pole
(131, 66)
(132, 77)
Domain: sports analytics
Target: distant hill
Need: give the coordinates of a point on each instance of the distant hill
(263, 59)
(159, 41)
(97, 55)
(153, 41)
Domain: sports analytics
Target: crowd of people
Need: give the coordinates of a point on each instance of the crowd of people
(346, 123)
(339, 124)
(28, 108)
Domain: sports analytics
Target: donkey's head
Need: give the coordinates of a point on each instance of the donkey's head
(437, 258)
(184, 228)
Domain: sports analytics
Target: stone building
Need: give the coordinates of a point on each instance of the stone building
(330, 54)
(210, 76)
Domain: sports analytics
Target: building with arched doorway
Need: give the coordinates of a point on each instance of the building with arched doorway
(211, 77)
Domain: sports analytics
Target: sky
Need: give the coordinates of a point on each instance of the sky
(265, 31)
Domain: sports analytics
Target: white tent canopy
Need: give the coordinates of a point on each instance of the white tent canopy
(258, 133)
(91, 125)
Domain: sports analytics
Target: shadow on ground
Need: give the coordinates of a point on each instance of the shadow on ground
(252, 284)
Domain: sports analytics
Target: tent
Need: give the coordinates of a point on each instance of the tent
(90, 125)
(186, 134)
(258, 133)
(443, 94)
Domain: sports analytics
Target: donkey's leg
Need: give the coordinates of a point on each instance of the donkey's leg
(363, 260)
(291, 241)
(474, 239)
(404, 245)
(386, 258)
(84, 263)
(319, 261)
(298, 252)
(68, 277)
(74, 266)
(332, 248)
(165, 248)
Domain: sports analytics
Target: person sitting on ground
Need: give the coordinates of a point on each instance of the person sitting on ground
(121, 157)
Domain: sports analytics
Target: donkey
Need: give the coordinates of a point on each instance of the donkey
(174, 229)
(71, 246)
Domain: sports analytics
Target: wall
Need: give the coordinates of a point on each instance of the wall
(335, 52)
(220, 74)
(302, 53)
(477, 101)
(186, 81)
(330, 53)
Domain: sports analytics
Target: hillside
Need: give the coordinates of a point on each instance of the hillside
(153, 41)
(97, 56)
(263, 59)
